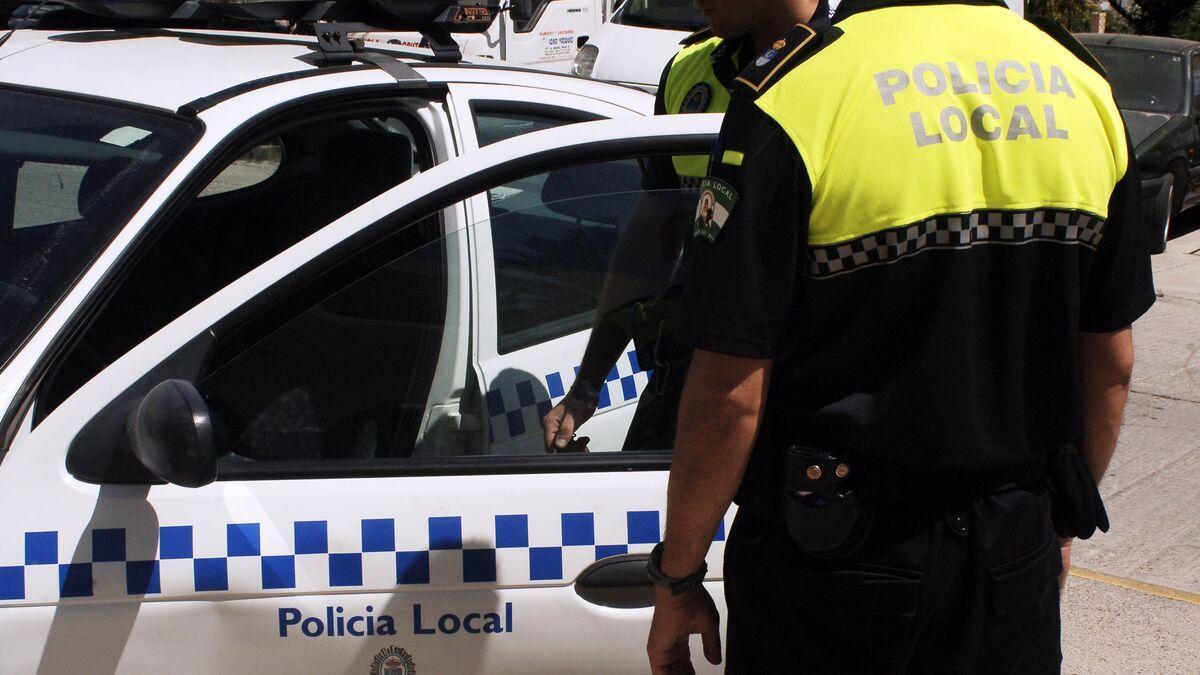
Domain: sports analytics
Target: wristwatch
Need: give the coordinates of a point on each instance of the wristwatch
(676, 586)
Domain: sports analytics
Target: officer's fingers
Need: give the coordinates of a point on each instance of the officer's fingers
(711, 638)
(566, 429)
(551, 422)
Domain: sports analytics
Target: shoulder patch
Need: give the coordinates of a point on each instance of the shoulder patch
(1061, 35)
(697, 37)
(780, 58)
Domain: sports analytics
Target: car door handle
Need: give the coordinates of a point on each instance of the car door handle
(618, 581)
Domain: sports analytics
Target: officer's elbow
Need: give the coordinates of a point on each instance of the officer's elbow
(724, 389)
(1107, 357)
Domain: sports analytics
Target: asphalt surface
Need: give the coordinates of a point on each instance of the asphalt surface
(1133, 602)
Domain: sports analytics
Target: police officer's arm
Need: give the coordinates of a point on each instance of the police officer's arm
(737, 309)
(638, 269)
(1119, 289)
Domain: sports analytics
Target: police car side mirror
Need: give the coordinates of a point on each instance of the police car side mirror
(171, 433)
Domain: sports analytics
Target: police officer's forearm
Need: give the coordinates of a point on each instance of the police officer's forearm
(718, 420)
(1106, 367)
(603, 349)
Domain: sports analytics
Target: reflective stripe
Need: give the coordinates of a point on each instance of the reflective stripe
(733, 158)
(912, 104)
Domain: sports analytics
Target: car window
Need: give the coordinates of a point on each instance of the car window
(72, 172)
(497, 121)
(348, 377)
(525, 13)
(552, 237)
(257, 165)
(317, 172)
(1143, 79)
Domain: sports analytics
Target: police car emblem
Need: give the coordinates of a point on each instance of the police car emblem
(393, 661)
(717, 199)
(697, 99)
(766, 57)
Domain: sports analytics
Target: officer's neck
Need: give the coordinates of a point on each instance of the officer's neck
(777, 19)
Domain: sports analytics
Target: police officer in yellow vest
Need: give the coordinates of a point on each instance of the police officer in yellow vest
(697, 80)
(911, 315)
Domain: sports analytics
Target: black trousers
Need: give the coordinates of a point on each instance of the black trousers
(966, 587)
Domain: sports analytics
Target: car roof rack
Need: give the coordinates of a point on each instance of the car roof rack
(331, 21)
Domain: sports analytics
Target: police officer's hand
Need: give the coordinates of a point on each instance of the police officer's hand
(560, 423)
(675, 618)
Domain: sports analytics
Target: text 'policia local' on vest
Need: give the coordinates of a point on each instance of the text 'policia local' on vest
(954, 123)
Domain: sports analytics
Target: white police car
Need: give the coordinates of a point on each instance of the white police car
(336, 301)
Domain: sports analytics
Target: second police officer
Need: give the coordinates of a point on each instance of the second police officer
(911, 319)
(696, 80)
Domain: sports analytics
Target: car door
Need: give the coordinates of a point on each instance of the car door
(307, 554)
(526, 347)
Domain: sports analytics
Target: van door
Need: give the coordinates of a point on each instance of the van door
(547, 34)
(338, 536)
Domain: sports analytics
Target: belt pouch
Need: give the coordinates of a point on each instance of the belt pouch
(824, 515)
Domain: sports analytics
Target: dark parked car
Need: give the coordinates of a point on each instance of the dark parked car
(1156, 81)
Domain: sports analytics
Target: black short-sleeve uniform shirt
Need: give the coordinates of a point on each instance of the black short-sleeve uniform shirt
(944, 366)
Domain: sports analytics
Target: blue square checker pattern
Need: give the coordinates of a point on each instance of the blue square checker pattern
(108, 545)
(512, 531)
(578, 529)
(378, 535)
(412, 567)
(345, 569)
(12, 583)
(175, 542)
(312, 536)
(75, 580)
(141, 577)
(642, 527)
(445, 533)
(554, 385)
(607, 551)
(495, 403)
(545, 563)
(41, 548)
(243, 540)
(479, 565)
(211, 574)
(278, 571)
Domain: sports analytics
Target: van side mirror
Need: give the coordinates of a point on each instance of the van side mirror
(171, 433)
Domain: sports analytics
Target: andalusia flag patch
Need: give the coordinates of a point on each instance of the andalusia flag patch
(717, 199)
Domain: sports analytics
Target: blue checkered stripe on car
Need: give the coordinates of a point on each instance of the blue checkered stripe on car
(517, 410)
(513, 555)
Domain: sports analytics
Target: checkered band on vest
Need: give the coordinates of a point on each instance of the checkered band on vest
(690, 182)
(955, 232)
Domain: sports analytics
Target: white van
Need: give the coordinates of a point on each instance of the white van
(542, 34)
(642, 35)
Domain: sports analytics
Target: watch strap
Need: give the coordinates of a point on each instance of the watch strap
(677, 586)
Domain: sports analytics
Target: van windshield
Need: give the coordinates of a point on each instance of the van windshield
(71, 174)
(679, 15)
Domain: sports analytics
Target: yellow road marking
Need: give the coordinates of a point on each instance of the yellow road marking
(1139, 586)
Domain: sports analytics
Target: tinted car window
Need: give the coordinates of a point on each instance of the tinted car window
(1143, 79)
(71, 174)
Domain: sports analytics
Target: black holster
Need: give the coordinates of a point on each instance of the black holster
(1075, 503)
(825, 516)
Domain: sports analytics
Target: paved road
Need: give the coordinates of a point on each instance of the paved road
(1133, 603)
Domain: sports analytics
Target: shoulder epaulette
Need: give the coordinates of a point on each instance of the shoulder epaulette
(697, 37)
(791, 50)
(1061, 35)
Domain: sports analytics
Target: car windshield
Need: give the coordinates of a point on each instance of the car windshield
(663, 14)
(1143, 79)
(71, 173)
